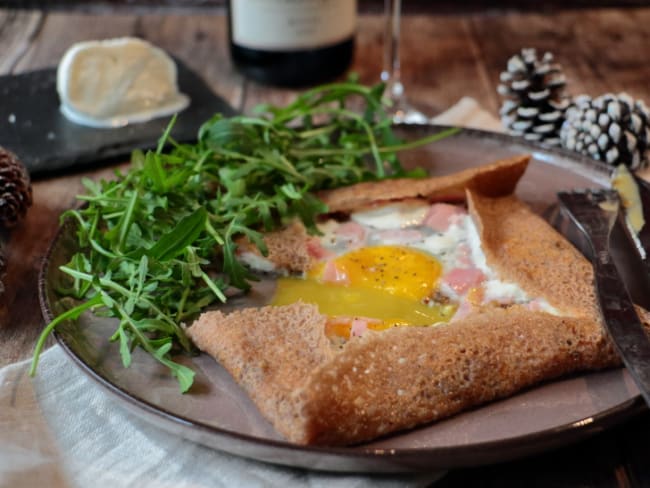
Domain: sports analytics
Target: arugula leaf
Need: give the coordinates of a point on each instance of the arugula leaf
(158, 243)
(125, 351)
(180, 237)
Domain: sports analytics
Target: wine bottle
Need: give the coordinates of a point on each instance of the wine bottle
(292, 42)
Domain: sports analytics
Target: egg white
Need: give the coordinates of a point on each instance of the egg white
(396, 216)
(445, 246)
(457, 247)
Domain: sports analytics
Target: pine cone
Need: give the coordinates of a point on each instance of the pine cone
(611, 128)
(15, 189)
(534, 97)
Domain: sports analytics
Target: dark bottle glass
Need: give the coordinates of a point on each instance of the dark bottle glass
(292, 42)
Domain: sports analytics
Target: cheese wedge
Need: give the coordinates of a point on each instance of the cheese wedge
(115, 82)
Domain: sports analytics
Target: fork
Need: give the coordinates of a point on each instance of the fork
(595, 212)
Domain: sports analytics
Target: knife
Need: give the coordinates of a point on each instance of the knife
(630, 249)
(594, 212)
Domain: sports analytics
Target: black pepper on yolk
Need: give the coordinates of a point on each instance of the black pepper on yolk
(389, 285)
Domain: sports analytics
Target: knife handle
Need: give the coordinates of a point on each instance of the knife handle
(595, 214)
(621, 319)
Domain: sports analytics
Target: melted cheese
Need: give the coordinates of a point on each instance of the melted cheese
(624, 184)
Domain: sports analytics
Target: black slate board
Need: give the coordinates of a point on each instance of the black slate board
(32, 126)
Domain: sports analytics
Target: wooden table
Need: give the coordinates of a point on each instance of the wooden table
(445, 57)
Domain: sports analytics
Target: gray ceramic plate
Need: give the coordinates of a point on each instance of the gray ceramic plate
(218, 414)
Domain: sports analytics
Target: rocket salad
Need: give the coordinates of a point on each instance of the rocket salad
(156, 244)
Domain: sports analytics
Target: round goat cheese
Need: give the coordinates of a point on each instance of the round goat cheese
(115, 82)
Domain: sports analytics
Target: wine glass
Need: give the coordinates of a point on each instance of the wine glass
(401, 110)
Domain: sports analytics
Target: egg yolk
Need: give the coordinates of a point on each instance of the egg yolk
(388, 284)
(397, 270)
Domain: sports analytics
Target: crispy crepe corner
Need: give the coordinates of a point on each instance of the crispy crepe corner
(495, 179)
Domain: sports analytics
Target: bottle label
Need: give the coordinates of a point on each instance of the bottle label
(277, 25)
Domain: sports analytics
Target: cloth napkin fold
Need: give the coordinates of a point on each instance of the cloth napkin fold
(467, 112)
(61, 430)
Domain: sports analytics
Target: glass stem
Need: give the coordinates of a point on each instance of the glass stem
(402, 111)
(391, 69)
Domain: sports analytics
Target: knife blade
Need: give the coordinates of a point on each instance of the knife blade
(595, 213)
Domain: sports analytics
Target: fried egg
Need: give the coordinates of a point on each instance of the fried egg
(384, 285)
(409, 263)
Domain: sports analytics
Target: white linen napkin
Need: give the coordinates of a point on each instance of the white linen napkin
(467, 112)
(61, 430)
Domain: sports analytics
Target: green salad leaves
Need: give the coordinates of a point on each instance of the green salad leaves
(157, 244)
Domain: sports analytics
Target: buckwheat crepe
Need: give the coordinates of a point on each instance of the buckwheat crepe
(396, 379)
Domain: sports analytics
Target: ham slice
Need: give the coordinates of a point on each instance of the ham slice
(462, 279)
(352, 232)
(333, 274)
(441, 215)
(316, 251)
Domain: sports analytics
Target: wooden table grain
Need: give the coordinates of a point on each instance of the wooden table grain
(445, 57)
